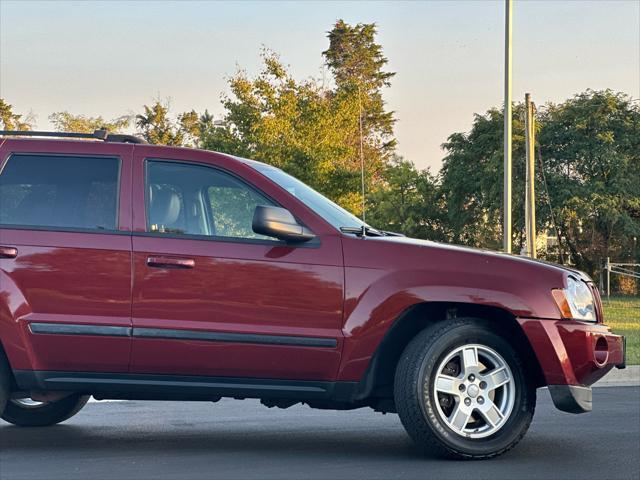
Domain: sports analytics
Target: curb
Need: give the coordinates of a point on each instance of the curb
(628, 377)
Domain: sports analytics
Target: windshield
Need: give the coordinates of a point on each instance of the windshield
(332, 213)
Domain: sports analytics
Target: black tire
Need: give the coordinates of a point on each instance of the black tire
(46, 414)
(416, 406)
(5, 381)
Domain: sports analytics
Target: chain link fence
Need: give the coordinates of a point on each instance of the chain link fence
(620, 284)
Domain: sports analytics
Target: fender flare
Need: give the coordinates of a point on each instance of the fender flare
(387, 300)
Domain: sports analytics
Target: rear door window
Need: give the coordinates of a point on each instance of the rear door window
(57, 191)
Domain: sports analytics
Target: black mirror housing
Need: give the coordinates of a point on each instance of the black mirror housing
(278, 222)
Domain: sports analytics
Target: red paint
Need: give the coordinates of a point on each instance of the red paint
(566, 350)
(67, 277)
(343, 288)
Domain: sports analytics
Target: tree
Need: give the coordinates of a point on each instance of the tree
(407, 201)
(11, 120)
(195, 127)
(357, 64)
(355, 58)
(590, 146)
(156, 126)
(471, 181)
(294, 125)
(311, 131)
(68, 122)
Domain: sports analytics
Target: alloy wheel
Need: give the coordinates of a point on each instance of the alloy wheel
(475, 391)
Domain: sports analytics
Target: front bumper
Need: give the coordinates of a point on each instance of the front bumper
(573, 355)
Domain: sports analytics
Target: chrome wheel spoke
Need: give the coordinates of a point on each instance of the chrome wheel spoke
(447, 384)
(460, 417)
(496, 378)
(491, 413)
(470, 359)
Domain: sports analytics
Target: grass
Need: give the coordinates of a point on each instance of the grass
(622, 314)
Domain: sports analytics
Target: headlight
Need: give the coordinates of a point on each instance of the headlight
(576, 301)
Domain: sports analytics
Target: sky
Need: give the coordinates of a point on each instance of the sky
(110, 58)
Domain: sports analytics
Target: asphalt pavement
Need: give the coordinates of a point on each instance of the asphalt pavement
(242, 439)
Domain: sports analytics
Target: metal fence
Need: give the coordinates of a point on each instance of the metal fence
(620, 279)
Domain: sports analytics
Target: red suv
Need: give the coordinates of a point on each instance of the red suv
(132, 271)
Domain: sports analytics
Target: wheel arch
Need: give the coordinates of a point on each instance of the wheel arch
(14, 307)
(377, 383)
(5, 360)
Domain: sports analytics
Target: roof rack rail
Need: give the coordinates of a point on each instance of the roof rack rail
(101, 134)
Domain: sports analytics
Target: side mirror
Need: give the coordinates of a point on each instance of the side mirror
(279, 223)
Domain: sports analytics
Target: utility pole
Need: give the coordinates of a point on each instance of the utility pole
(608, 267)
(506, 230)
(530, 202)
(362, 175)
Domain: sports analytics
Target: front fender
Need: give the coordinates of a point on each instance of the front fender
(375, 299)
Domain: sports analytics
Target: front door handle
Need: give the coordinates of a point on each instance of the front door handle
(8, 252)
(170, 262)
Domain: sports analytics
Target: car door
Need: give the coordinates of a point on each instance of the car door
(213, 298)
(65, 255)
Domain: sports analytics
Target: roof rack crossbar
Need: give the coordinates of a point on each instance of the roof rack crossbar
(101, 134)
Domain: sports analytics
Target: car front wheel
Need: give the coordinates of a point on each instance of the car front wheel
(461, 390)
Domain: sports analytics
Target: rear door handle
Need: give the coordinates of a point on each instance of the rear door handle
(170, 262)
(8, 252)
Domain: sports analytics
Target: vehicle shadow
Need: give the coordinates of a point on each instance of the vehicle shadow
(190, 439)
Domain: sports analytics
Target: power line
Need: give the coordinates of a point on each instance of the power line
(548, 195)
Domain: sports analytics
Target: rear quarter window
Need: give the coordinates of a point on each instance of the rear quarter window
(74, 192)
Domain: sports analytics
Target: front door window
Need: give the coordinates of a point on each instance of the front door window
(187, 199)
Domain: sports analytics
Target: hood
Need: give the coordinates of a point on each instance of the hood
(452, 249)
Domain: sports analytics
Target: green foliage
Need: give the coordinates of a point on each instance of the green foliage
(355, 57)
(10, 120)
(67, 122)
(471, 181)
(622, 314)
(590, 152)
(407, 201)
(310, 131)
(293, 125)
(357, 64)
(233, 207)
(156, 125)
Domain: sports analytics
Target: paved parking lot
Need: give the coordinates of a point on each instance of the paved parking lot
(242, 439)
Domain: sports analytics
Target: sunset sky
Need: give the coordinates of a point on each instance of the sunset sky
(110, 58)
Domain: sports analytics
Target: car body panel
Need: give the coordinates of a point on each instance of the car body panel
(68, 277)
(263, 288)
(387, 276)
(568, 350)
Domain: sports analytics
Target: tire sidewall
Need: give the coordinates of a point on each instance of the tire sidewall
(434, 353)
(44, 415)
(5, 380)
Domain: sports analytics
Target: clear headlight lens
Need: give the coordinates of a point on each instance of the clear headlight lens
(580, 300)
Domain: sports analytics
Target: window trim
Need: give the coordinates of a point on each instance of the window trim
(38, 228)
(62, 229)
(314, 243)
